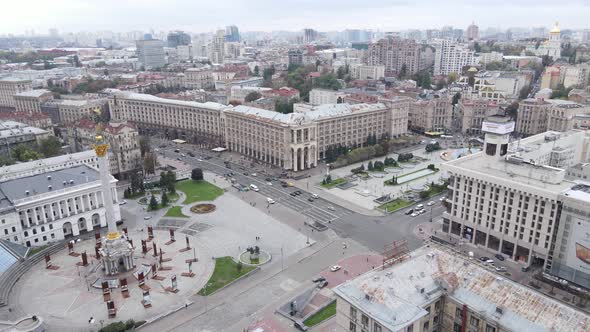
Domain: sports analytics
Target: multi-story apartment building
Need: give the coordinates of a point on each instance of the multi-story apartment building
(10, 86)
(400, 109)
(150, 53)
(201, 123)
(485, 58)
(395, 53)
(434, 114)
(74, 110)
(506, 198)
(30, 101)
(532, 116)
(325, 96)
(53, 204)
(451, 57)
(122, 138)
(473, 111)
(192, 78)
(37, 120)
(366, 72)
(13, 134)
(538, 115)
(435, 289)
(217, 47)
(576, 75)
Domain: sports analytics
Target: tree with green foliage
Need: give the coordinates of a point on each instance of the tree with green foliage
(165, 199)
(561, 92)
(452, 77)
(136, 183)
(524, 92)
(197, 174)
(50, 146)
(370, 166)
(252, 96)
(24, 153)
(149, 163)
(403, 72)
(456, 98)
(512, 110)
(145, 145)
(327, 81)
(153, 203)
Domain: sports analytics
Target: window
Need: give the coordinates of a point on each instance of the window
(435, 320)
(474, 322)
(5, 232)
(376, 327)
(410, 328)
(352, 327)
(353, 313)
(457, 327)
(490, 329)
(364, 320)
(437, 305)
(458, 313)
(425, 326)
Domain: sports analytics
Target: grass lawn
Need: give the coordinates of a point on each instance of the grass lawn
(322, 315)
(334, 183)
(395, 205)
(175, 211)
(198, 191)
(434, 190)
(226, 271)
(36, 250)
(138, 194)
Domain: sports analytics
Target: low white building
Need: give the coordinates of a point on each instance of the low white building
(325, 96)
(53, 205)
(366, 72)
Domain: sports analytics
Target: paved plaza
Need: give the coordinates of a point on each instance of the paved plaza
(67, 301)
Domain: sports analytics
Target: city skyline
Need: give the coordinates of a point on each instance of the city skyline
(265, 15)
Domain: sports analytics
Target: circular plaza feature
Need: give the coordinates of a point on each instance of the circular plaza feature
(203, 208)
(263, 258)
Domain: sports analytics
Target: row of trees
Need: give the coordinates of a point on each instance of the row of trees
(432, 147)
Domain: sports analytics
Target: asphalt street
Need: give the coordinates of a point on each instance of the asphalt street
(373, 232)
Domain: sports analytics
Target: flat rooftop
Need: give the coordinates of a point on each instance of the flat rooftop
(39, 184)
(149, 98)
(533, 171)
(396, 296)
(33, 93)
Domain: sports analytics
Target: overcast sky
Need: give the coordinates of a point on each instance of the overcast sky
(16, 16)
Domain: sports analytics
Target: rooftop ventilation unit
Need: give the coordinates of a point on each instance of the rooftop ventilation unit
(27, 192)
(49, 187)
(368, 297)
(71, 181)
(48, 177)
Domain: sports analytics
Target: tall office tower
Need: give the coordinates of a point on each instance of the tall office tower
(217, 47)
(150, 53)
(451, 57)
(178, 38)
(472, 32)
(232, 34)
(394, 53)
(309, 35)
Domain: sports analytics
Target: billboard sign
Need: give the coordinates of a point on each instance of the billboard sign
(578, 249)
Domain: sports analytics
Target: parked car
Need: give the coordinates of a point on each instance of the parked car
(310, 199)
(293, 194)
(322, 284)
(270, 200)
(190, 154)
(177, 150)
(500, 269)
(419, 206)
(147, 217)
(335, 268)
(123, 202)
(525, 268)
(414, 214)
(442, 198)
(331, 208)
(431, 203)
(318, 279)
(410, 211)
(299, 192)
(268, 179)
(484, 258)
(499, 257)
(254, 174)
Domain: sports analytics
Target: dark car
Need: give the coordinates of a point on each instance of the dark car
(322, 284)
(293, 194)
(268, 179)
(310, 199)
(499, 257)
(318, 279)
(206, 157)
(245, 173)
(299, 192)
(177, 150)
(284, 185)
(410, 211)
(484, 259)
(190, 154)
(525, 269)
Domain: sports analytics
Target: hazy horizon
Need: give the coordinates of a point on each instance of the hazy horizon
(268, 15)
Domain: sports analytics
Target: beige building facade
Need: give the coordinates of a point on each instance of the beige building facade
(30, 101)
(473, 112)
(10, 86)
(434, 114)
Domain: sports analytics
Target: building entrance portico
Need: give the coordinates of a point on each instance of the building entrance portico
(303, 157)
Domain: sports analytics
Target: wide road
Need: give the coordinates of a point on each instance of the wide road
(374, 232)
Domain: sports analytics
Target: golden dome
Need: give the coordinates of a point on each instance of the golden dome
(555, 28)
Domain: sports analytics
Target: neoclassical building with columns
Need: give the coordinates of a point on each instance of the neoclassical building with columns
(50, 206)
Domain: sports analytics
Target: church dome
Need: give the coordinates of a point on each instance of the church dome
(555, 28)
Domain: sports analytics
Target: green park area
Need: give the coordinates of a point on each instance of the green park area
(394, 205)
(226, 271)
(198, 191)
(320, 316)
(175, 211)
(333, 183)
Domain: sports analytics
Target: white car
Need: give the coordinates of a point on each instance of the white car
(270, 200)
(335, 268)
(147, 217)
(182, 155)
(430, 203)
(315, 196)
(269, 183)
(414, 214)
(123, 202)
(331, 208)
(500, 269)
(421, 211)
(254, 174)
(442, 199)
